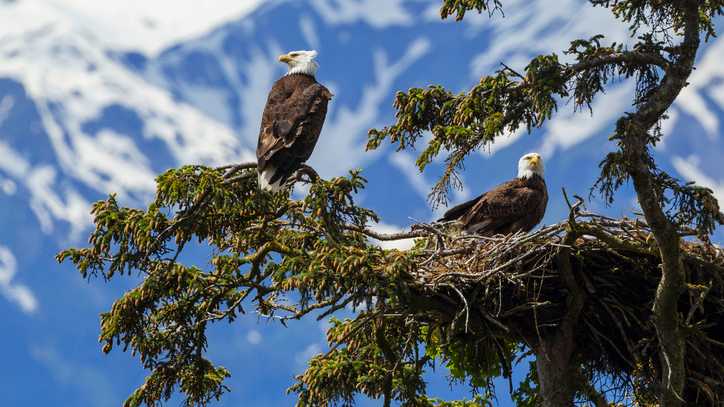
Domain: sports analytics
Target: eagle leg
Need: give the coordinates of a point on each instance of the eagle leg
(298, 176)
(310, 172)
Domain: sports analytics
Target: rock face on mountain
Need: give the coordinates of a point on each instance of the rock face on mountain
(81, 117)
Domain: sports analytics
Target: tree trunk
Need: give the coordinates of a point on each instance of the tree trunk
(666, 316)
(556, 373)
(670, 334)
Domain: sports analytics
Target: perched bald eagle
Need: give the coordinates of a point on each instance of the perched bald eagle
(516, 205)
(292, 120)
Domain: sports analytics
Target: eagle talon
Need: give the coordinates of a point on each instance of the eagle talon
(310, 172)
(299, 176)
(289, 183)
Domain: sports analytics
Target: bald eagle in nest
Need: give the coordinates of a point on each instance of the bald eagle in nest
(292, 120)
(514, 206)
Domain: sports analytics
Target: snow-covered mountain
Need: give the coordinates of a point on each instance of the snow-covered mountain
(99, 97)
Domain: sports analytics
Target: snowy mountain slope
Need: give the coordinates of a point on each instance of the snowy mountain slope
(99, 97)
(107, 129)
(140, 25)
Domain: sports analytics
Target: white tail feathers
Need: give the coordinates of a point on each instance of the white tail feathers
(265, 180)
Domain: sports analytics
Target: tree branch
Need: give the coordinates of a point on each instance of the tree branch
(629, 57)
(634, 143)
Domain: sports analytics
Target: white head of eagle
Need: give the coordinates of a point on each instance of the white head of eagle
(530, 164)
(300, 62)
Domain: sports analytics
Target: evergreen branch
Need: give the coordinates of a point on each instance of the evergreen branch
(634, 58)
(503, 103)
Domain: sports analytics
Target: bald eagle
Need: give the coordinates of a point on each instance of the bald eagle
(292, 120)
(513, 206)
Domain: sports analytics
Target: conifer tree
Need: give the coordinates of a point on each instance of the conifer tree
(624, 311)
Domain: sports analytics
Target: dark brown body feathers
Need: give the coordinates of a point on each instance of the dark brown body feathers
(516, 205)
(292, 120)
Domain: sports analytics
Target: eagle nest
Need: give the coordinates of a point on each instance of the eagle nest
(520, 285)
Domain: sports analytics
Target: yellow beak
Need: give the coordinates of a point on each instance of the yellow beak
(535, 161)
(285, 58)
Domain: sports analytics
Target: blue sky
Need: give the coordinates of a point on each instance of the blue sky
(99, 97)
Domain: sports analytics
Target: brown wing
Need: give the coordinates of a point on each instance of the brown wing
(291, 123)
(504, 209)
(457, 211)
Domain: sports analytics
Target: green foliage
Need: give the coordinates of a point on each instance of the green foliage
(526, 395)
(477, 401)
(374, 355)
(384, 356)
(470, 359)
(662, 15)
(265, 247)
(685, 204)
(460, 7)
